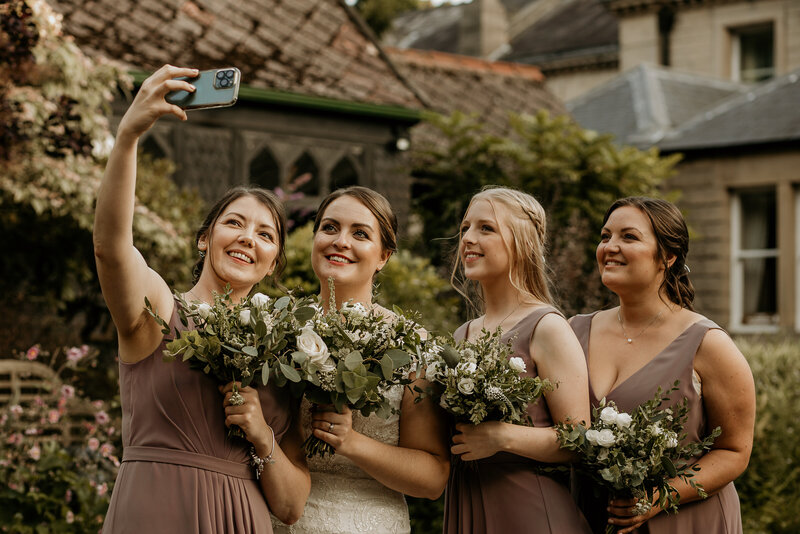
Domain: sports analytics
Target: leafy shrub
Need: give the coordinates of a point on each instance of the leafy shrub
(769, 490)
(407, 281)
(52, 481)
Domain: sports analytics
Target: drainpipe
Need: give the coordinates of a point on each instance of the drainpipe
(666, 21)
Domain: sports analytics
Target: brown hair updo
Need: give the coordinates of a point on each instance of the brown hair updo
(672, 239)
(268, 199)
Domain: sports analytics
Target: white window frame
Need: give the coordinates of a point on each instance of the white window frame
(736, 51)
(737, 271)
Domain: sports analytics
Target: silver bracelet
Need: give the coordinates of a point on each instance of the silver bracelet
(259, 462)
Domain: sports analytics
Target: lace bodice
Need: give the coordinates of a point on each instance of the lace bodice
(344, 499)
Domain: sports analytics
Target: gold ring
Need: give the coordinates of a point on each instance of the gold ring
(330, 427)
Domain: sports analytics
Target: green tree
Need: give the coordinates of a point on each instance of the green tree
(378, 14)
(575, 173)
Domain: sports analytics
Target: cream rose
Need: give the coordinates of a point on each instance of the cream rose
(606, 438)
(623, 420)
(259, 300)
(609, 415)
(244, 317)
(309, 342)
(204, 310)
(517, 364)
(466, 386)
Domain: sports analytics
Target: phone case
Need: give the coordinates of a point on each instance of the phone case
(216, 88)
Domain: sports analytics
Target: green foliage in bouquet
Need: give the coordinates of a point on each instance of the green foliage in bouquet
(235, 341)
(636, 455)
(480, 380)
(350, 356)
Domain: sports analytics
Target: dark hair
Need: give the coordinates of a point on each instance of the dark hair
(672, 239)
(268, 199)
(375, 203)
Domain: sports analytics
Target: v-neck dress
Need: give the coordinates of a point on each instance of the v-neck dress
(719, 513)
(504, 493)
(180, 472)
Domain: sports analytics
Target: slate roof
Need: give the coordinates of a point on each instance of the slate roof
(491, 89)
(768, 113)
(640, 106)
(572, 33)
(310, 47)
(579, 32)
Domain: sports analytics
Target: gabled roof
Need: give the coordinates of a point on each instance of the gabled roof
(642, 104)
(576, 33)
(490, 89)
(768, 113)
(310, 47)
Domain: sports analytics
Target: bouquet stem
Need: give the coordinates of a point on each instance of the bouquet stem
(313, 446)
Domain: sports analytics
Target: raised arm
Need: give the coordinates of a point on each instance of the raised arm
(125, 278)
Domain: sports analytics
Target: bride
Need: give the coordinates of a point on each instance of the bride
(377, 461)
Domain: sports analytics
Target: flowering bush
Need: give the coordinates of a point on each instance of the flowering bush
(479, 380)
(235, 342)
(636, 455)
(350, 356)
(58, 454)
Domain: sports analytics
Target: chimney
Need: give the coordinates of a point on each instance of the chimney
(483, 28)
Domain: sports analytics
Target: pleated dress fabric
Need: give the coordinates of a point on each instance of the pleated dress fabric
(506, 493)
(180, 471)
(718, 514)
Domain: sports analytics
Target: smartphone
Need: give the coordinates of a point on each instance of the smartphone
(216, 88)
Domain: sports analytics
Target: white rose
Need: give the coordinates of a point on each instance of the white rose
(434, 370)
(591, 436)
(244, 317)
(259, 300)
(655, 430)
(517, 364)
(309, 342)
(467, 367)
(606, 438)
(609, 415)
(623, 420)
(672, 440)
(466, 386)
(204, 310)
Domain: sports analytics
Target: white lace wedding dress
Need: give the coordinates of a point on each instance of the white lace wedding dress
(344, 499)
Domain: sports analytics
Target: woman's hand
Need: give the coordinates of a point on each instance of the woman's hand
(248, 415)
(150, 103)
(478, 441)
(335, 429)
(620, 514)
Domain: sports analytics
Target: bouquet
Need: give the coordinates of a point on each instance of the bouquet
(350, 356)
(479, 380)
(635, 455)
(235, 342)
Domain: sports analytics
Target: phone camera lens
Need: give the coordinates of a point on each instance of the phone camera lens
(220, 74)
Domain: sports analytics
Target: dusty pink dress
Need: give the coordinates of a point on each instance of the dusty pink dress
(719, 514)
(505, 493)
(180, 472)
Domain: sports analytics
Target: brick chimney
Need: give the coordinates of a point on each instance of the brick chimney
(483, 28)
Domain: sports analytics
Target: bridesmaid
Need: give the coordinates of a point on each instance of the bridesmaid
(652, 339)
(361, 487)
(180, 472)
(502, 244)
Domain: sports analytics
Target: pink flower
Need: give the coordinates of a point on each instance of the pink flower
(53, 416)
(75, 354)
(70, 517)
(94, 444)
(97, 404)
(32, 431)
(38, 401)
(35, 452)
(106, 449)
(102, 489)
(16, 409)
(68, 496)
(85, 349)
(33, 352)
(14, 439)
(3, 419)
(101, 417)
(67, 391)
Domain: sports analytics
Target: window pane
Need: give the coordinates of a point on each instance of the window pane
(760, 291)
(305, 175)
(264, 170)
(757, 49)
(343, 175)
(759, 224)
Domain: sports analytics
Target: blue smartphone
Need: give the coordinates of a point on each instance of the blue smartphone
(216, 88)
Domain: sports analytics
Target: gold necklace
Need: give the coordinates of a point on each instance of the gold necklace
(622, 325)
(483, 326)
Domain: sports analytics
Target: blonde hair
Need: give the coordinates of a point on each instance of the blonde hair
(526, 220)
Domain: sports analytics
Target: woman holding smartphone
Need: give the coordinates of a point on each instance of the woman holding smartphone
(180, 472)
